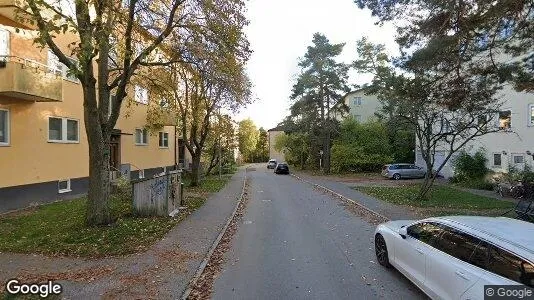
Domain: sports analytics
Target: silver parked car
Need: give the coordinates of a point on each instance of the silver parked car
(398, 171)
(271, 164)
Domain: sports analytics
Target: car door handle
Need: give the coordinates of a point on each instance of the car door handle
(461, 274)
(419, 250)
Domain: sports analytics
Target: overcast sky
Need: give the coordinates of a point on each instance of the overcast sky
(279, 33)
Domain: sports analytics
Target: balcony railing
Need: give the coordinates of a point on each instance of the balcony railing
(12, 13)
(26, 79)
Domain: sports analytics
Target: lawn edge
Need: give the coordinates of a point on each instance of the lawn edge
(342, 197)
(217, 241)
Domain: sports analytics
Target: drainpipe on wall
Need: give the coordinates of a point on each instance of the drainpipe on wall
(175, 150)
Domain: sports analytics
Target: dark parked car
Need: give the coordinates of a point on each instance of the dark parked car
(398, 171)
(271, 164)
(281, 168)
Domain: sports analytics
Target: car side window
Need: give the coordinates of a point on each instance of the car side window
(479, 257)
(456, 243)
(510, 266)
(425, 232)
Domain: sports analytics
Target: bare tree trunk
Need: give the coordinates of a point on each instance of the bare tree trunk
(195, 169)
(213, 161)
(426, 186)
(98, 204)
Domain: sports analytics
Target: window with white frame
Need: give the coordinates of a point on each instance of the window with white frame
(4, 43)
(531, 115)
(4, 127)
(519, 159)
(141, 174)
(63, 186)
(164, 140)
(59, 68)
(141, 95)
(164, 103)
(63, 130)
(445, 125)
(141, 136)
(505, 119)
(497, 159)
(482, 120)
(357, 100)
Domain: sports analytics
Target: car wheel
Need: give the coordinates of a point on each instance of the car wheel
(381, 251)
(396, 176)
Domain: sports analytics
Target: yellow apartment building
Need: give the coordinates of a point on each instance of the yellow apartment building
(43, 144)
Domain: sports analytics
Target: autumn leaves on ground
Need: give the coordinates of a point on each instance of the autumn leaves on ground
(58, 229)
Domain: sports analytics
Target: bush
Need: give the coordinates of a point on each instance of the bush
(470, 167)
(361, 147)
(350, 158)
(514, 175)
(123, 189)
(479, 184)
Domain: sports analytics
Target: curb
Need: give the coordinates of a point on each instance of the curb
(204, 263)
(379, 215)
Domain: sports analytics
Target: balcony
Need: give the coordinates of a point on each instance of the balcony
(12, 13)
(27, 80)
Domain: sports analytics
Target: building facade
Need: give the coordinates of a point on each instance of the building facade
(362, 107)
(511, 148)
(43, 144)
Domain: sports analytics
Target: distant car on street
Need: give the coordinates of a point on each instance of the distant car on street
(271, 164)
(281, 168)
(455, 257)
(401, 171)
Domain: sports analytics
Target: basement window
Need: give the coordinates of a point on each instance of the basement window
(497, 159)
(63, 186)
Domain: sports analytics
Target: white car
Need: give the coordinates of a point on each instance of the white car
(454, 257)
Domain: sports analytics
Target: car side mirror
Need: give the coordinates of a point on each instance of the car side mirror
(403, 232)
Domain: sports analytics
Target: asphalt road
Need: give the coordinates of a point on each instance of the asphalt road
(297, 243)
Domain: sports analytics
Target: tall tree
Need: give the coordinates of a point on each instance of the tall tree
(294, 146)
(262, 147)
(418, 99)
(143, 25)
(247, 137)
(220, 143)
(319, 89)
(467, 38)
(211, 77)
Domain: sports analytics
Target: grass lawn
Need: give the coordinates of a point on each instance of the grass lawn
(444, 200)
(59, 229)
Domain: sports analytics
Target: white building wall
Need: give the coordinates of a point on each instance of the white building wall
(362, 107)
(516, 142)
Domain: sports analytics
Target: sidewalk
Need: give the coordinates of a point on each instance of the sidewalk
(393, 212)
(162, 272)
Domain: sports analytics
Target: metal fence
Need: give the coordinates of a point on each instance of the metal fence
(158, 196)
